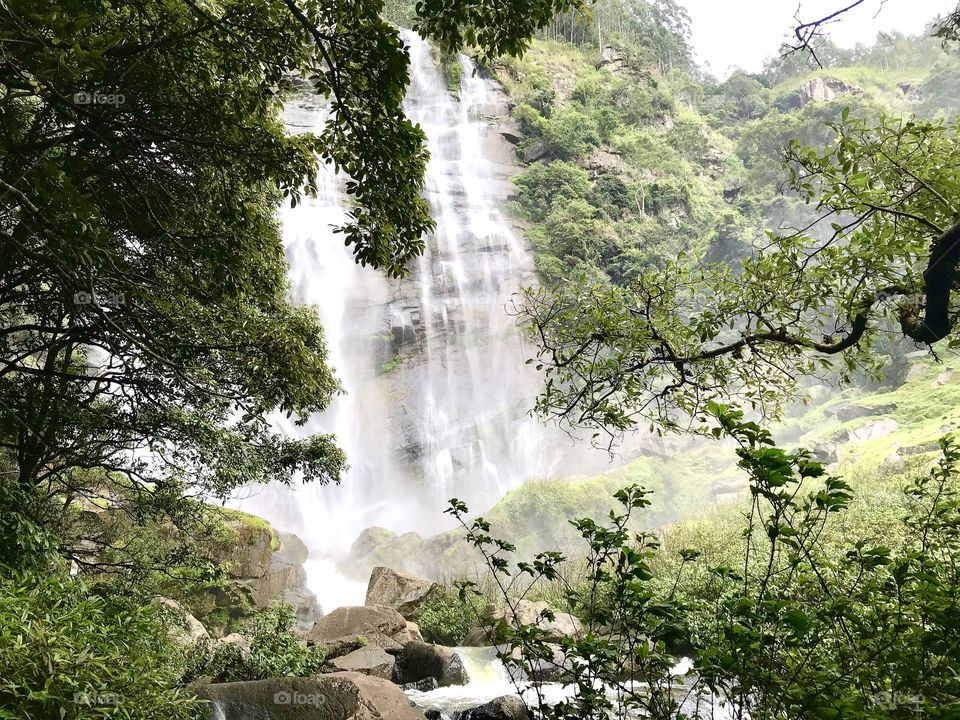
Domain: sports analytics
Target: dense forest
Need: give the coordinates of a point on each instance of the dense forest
(756, 271)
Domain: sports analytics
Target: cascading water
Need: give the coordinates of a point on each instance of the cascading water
(437, 391)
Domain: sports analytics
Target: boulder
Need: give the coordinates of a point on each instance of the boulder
(369, 660)
(530, 612)
(943, 378)
(337, 696)
(547, 670)
(185, 630)
(534, 150)
(505, 707)
(348, 643)
(365, 620)
(425, 685)
(917, 370)
(412, 632)
(825, 452)
(401, 591)
(292, 549)
(419, 661)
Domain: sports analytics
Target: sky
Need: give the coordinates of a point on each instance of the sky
(742, 33)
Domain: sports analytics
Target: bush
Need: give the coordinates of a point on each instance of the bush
(446, 619)
(545, 183)
(274, 651)
(68, 653)
(611, 194)
(788, 625)
(570, 133)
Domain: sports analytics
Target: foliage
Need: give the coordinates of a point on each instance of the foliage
(548, 183)
(792, 627)
(66, 652)
(274, 651)
(446, 618)
(662, 348)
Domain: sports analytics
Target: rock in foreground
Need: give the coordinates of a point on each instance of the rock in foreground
(338, 696)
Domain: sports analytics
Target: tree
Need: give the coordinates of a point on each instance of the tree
(146, 331)
(662, 348)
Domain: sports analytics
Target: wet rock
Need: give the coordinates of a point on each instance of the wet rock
(425, 685)
(419, 661)
(404, 592)
(506, 707)
(336, 696)
(369, 660)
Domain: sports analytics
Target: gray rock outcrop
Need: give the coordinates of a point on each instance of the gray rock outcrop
(401, 591)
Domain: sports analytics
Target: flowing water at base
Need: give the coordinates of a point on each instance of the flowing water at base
(488, 679)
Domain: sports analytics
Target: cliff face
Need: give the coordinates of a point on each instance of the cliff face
(262, 566)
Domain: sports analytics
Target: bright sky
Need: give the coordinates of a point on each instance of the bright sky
(742, 33)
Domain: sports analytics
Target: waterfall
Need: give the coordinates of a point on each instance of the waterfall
(437, 391)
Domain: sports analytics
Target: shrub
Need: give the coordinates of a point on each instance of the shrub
(446, 618)
(570, 133)
(792, 626)
(611, 194)
(68, 653)
(275, 651)
(545, 183)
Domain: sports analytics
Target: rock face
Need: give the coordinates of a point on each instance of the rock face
(263, 567)
(506, 707)
(369, 660)
(401, 591)
(819, 89)
(337, 696)
(248, 552)
(419, 661)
